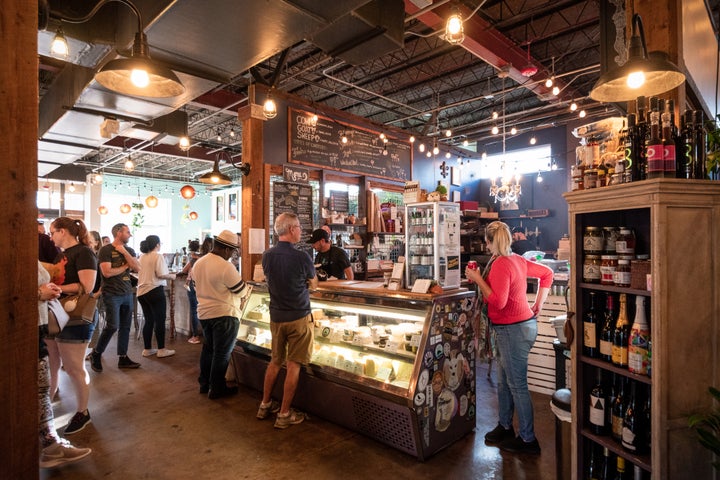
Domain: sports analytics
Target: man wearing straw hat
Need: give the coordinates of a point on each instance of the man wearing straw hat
(221, 293)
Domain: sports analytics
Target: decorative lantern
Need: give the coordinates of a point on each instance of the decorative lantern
(102, 210)
(187, 192)
(125, 208)
(151, 201)
(193, 215)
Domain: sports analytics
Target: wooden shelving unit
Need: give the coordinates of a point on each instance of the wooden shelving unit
(676, 222)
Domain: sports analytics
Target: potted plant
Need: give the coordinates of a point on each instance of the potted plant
(712, 158)
(707, 426)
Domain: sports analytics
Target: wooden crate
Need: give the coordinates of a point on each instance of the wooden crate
(541, 364)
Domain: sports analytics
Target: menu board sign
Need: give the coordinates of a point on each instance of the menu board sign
(294, 198)
(318, 143)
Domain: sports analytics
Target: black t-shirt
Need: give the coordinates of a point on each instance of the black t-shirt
(522, 246)
(333, 262)
(119, 284)
(76, 258)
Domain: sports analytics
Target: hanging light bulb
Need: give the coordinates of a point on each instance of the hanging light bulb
(454, 30)
(573, 106)
(539, 178)
(495, 130)
(125, 208)
(549, 82)
(582, 114)
(448, 133)
(513, 131)
(129, 165)
(219, 135)
(59, 47)
(102, 210)
(232, 133)
(71, 187)
(448, 155)
(382, 136)
(428, 154)
(98, 178)
(184, 143)
(412, 138)
(556, 90)
(495, 115)
(435, 149)
(421, 147)
(269, 107)
(343, 137)
(314, 119)
(193, 215)
(187, 192)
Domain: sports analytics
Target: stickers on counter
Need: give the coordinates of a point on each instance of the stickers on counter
(423, 379)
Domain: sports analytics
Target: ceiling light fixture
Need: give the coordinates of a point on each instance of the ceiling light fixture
(269, 107)
(582, 114)
(151, 201)
(184, 143)
(187, 192)
(215, 176)
(454, 30)
(495, 130)
(508, 189)
(533, 140)
(642, 74)
(573, 106)
(528, 70)
(129, 165)
(138, 75)
(59, 47)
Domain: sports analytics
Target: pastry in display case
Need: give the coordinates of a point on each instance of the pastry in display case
(399, 367)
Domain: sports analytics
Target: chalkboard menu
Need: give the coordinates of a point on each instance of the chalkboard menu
(294, 198)
(318, 142)
(339, 201)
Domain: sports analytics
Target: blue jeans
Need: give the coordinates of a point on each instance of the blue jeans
(118, 315)
(154, 309)
(194, 321)
(513, 347)
(220, 336)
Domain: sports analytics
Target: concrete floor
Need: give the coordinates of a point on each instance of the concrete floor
(152, 423)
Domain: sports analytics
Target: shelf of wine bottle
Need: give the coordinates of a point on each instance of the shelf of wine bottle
(614, 289)
(617, 449)
(619, 370)
(603, 465)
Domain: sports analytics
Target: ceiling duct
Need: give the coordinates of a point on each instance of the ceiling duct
(366, 33)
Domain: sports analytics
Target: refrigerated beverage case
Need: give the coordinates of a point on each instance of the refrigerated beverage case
(591, 329)
(621, 335)
(639, 340)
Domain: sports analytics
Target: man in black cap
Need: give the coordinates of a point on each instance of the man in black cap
(331, 259)
(520, 243)
(221, 293)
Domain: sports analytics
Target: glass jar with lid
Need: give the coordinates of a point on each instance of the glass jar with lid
(610, 235)
(608, 266)
(593, 241)
(625, 243)
(591, 269)
(622, 273)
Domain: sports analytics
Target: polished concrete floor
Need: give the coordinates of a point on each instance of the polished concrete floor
(151, 423)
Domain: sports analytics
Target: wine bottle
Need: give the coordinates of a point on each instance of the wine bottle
(620, 468)
(684, 150)
(699, 145)
(647, 420)
(642, 134)
(592, 472)
(632, 152)
(618, 412)
(590, 329)
(610, 400)
(654, 145)
(606, 334)
(607, 469)
(620, 335)
(633, 437)
(668, 140)
(639, 338)
(597, 407)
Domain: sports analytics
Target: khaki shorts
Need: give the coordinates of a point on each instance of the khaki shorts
(292, 340)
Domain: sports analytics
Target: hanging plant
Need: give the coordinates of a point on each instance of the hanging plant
(138, 219)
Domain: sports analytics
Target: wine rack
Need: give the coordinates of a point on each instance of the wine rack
(681, 312)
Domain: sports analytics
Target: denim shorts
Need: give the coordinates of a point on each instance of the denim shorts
(77, 333)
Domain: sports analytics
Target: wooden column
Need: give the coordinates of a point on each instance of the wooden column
(255, 186)
(18, 288)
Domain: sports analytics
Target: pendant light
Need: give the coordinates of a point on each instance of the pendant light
(215, 177)
(102, 210)
(138, 75)
(642, 74)
(125, 208)
(187, 192)
(151, 201)
(193, 215)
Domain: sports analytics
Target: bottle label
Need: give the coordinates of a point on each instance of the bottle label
(669, 157)
(628, 439)
(617, 427)
(654, 155)
(591, 272)
(622, 278)
(605, 348)
(589, 335)
(597, 411)
(619, 355)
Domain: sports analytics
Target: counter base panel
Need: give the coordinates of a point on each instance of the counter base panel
(385, 421)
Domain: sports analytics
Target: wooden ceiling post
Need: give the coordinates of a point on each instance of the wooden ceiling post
(255, 187)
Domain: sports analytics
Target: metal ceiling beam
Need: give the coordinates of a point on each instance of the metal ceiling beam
(484, 41)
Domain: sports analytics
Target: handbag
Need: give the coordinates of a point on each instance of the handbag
(57, 317)
(80, 307)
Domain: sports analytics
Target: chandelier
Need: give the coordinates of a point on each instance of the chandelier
(507, 189)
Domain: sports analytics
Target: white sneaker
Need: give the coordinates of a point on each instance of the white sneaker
(165, 352)
(147, 353)
(61, 453)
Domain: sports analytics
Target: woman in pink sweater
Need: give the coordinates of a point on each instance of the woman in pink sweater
(514, 322)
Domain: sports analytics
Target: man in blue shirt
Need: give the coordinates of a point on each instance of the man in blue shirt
(290, 274)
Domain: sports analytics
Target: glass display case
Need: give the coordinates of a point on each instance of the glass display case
(398, 367)
(433, 243)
